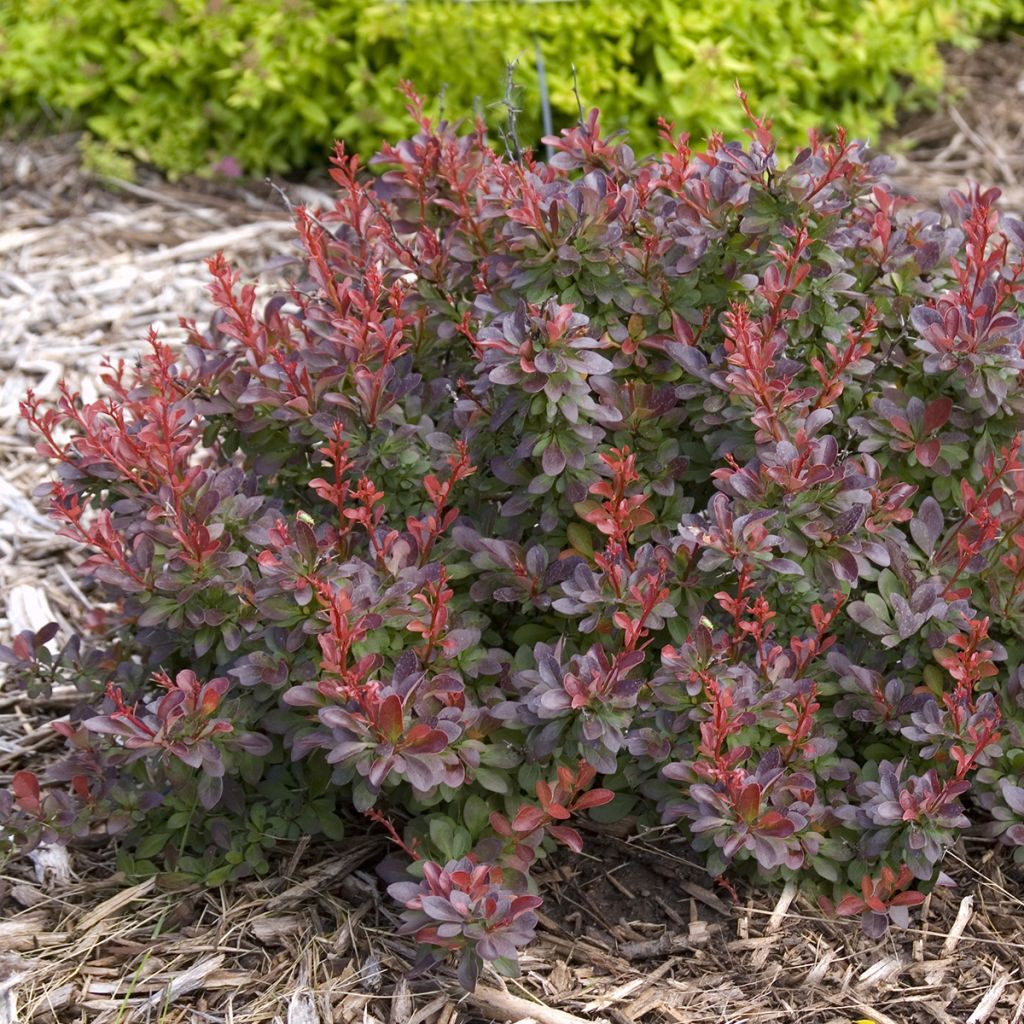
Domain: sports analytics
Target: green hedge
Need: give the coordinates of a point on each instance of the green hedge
(270, 83)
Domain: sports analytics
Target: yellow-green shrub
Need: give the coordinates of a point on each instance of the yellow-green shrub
(270, 83)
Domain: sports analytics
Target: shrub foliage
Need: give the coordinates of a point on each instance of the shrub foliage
(267, 85)
(686, 488)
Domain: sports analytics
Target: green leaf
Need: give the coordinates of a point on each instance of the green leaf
(218, 876)
(152, 845)
(532, 633)
(331, 825)
(506, 967)
(878, 605)
(476, 815)
(580, 538)
(888, 584)
(825, 868)
(615, 810)
(491, 780)
(442, 834)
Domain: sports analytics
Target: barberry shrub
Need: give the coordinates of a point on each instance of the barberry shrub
(685, 488)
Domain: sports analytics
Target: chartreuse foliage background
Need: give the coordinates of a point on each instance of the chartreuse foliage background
(269, 84)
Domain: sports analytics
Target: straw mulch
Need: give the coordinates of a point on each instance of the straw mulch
(631, 931)
(315, 943)
(977, 134)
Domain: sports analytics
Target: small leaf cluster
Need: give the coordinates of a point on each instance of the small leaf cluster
(688, 487)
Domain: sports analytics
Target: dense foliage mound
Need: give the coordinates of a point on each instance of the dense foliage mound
(695, 478)
(193, 85)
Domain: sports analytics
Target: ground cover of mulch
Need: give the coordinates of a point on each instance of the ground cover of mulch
(977, 134)
(631, 930)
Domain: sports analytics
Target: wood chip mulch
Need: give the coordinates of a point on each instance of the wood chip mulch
(631, 931)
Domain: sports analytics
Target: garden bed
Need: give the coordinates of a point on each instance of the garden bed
(631, 931)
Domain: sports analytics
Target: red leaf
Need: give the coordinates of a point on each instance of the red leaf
(907, 899)
(528, 819)
(544, 794)
(22, 647)
(521, 904)
(937, 414)
(850, 906)
(567, 835)
(902, 425)
(749, 802)
(622, 620)
(595, 798)
(772, 823)
(25, 787)
(875, 904)
(500, 824)
(927, 452)
(209, 701)
(389, 718)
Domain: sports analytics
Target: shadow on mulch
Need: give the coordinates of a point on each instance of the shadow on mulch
(620, 892)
